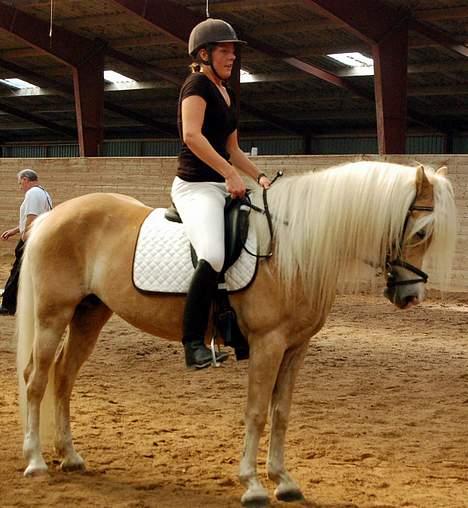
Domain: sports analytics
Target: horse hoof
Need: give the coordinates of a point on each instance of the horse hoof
(35, 470)
(289, 495)
(255, 501)
(69, 466)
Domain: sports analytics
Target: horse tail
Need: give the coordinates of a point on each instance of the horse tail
(25, 320)
(25, 327)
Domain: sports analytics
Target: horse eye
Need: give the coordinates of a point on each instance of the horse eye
(421, 234)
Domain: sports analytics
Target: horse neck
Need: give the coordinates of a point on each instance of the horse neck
(325, 222)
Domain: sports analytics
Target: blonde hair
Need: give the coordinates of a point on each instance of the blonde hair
(195, 67)
(326, 222)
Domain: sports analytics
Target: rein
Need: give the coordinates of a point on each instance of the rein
(390, 264)
(264, 211)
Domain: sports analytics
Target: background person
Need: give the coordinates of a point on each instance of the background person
(36, 201)
(208, 171)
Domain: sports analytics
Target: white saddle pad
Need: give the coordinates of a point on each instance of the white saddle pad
(163, 262)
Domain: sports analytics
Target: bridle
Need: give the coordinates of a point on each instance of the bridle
(391, 263)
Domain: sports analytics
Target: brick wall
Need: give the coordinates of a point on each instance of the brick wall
(149, 180)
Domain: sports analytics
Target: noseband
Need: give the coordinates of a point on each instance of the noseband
(390, 264)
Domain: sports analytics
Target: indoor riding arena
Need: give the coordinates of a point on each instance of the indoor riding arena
(380, 408)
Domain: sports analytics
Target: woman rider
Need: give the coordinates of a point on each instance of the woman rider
(208, 171)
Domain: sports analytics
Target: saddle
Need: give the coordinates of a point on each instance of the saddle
(236, 229)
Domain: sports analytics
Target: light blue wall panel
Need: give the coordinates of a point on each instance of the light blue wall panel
(274, 146)
(425, 144)
(292, 145)
(25, 151)
(161, 148)
(460, 144)
(344, 145)
(71, 150)
(122, 148)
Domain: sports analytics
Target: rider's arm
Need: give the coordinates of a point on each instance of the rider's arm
(242, 162)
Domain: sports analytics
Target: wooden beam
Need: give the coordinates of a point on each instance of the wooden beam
(440, 37)
(68, 47)
(66, 90)
(386, 30)
(390, 63)
(370, 20)
(146, 66)
(456, 13)
(229, 5)
(178, 21)
(162, 127)
(76, 51)
(55, 127)
(88, 82)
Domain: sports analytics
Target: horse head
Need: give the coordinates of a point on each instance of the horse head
(404, 274)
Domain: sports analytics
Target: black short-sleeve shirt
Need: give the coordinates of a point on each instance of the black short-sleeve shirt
(219, 122)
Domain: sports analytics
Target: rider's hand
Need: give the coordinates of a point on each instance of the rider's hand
(264, 182)
(235, 185)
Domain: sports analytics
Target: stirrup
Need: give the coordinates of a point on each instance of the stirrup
(214, 361)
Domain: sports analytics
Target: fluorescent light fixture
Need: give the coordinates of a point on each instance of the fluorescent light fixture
(17, 83)
(115, 77)
(245, 76)
(353, 59)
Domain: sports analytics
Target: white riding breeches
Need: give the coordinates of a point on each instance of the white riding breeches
(201, 207)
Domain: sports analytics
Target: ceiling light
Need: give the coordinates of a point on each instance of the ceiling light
(353, 59)
(246, 77)
(17, 83)
(115, 77)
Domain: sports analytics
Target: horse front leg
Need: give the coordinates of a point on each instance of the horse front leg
(287, 489)
(265, 360)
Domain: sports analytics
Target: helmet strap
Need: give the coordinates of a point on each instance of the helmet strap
(209, 50)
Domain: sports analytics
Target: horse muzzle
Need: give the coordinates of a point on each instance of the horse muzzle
(404, 289)
(402, 298)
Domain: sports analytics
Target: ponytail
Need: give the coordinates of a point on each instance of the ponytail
(195, 67)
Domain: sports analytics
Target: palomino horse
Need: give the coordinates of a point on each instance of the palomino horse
(77, 271)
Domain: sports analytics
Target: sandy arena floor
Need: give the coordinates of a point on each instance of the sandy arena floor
(380, 418)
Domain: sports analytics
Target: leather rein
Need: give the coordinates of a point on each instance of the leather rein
(264, 211)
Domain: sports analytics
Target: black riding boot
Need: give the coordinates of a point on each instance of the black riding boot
(197, 310)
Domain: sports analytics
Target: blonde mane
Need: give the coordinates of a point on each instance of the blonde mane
(329, 223)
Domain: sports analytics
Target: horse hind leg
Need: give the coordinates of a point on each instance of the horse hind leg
(47, 336)
(89, 318)
(287, 490)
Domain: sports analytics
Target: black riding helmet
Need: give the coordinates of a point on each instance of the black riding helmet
(207, 34)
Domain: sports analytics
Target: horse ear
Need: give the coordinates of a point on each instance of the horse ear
(421, 179)
(442, 171)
